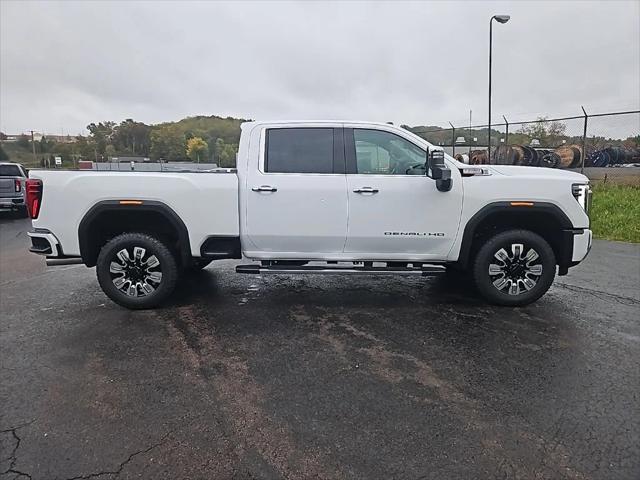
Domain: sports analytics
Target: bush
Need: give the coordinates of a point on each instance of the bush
(615, 213)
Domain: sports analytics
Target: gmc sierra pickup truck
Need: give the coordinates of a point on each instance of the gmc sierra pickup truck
(12, 185)
(317, 197)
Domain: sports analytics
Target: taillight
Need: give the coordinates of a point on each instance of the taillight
(34, 196)
(18, 185)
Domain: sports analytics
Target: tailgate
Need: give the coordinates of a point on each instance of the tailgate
(8, 187)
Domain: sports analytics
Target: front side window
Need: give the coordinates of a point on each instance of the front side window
(299, 150)
(384, 153)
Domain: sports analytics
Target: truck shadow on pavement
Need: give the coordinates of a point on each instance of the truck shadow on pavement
(196, 287)
(7, 216)
(213, 286)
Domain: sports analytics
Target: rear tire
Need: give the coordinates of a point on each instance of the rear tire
(514, 268)
(23, 212)
(136, 270)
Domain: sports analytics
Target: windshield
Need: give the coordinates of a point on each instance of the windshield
(430, 146)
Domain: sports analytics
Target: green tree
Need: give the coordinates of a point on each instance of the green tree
(101, 134)
(548, 133)
(44, 145)
(197, 149)
(3, 155)
(167, 143)
(63, 150)
(632, 142)
(85, 147)
(24, 141)
(110, 151)
(132, 137)
(225, 153)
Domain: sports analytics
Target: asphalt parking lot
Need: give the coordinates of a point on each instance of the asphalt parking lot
(250, 377)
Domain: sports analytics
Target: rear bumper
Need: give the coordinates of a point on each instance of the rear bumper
(11, 203)
(43, 242)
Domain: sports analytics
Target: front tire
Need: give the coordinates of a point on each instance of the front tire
(514, 268)
(136, 270)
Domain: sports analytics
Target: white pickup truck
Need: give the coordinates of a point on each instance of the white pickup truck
(319, 197)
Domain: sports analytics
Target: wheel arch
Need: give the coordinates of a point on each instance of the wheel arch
(109, 218)
(545, 219)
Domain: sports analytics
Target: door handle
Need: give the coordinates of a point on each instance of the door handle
(366, 190)
(264, 188)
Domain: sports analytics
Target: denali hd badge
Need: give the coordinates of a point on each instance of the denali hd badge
(416, 234)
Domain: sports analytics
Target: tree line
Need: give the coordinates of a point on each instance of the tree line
(547, 132)
(214, 139)
(206, 139)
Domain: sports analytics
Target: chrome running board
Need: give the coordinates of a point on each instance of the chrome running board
(425, 271)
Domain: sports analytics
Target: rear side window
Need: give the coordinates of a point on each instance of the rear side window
(10, 171)
(299, 150)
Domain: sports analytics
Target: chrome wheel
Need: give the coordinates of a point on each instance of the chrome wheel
(515, 272)
(135, 273)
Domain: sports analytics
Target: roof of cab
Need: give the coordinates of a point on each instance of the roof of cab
(298, 122)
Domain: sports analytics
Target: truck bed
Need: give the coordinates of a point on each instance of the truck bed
(207, 202)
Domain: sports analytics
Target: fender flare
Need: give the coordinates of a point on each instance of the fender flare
(89, 253)
(498, 207)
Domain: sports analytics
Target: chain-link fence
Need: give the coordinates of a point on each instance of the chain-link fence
(603, 146)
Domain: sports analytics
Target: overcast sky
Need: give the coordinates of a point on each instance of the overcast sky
(65, 64)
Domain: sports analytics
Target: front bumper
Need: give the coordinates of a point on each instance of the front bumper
(574, 247)
(581, 245)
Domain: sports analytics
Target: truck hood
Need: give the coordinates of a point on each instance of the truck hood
(537, 172)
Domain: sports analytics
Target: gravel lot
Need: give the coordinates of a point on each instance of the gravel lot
(249, 377)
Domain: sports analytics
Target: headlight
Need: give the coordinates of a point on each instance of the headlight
(582, 193)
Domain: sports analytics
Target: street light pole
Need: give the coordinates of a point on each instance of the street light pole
(500, 19)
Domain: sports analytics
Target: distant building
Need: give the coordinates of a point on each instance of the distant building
(62, 138)
(38, 136)
(14, 138)
(129, 159)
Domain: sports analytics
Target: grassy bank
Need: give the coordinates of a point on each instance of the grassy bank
(21, 155)
(615, 214)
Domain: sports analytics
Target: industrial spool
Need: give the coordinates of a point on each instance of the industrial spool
(570, 156)
(613, 156)
(506, 155)
(530, 156)
(550, 159)
(478, 157)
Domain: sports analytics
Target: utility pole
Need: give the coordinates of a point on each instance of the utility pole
(470, 137)
(33, 148)
(584, 140)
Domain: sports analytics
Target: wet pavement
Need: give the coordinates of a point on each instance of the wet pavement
(246, 377)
